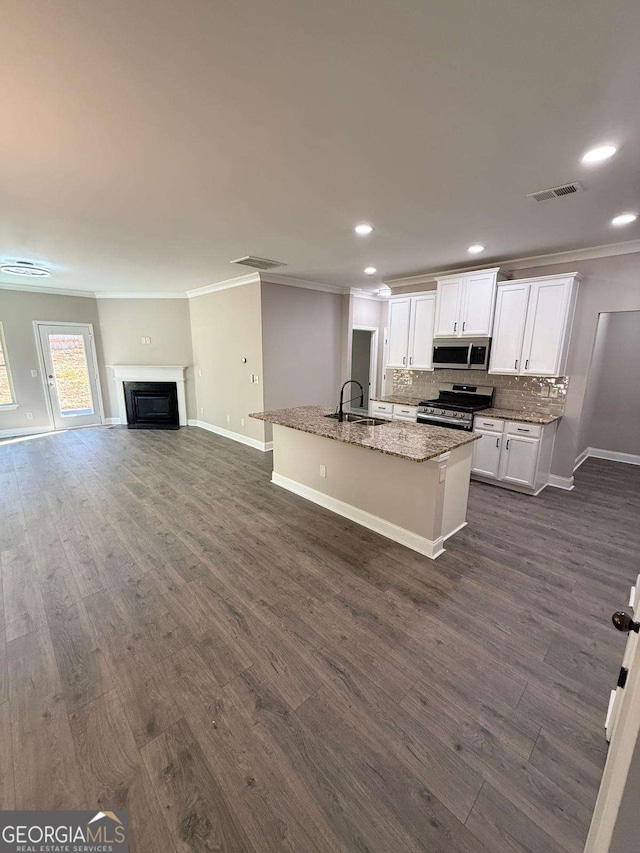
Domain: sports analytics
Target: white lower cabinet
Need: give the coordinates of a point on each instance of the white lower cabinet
(486, 454)
(513, 454)
(520, 461)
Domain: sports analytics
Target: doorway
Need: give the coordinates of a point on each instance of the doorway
(69, 369)
(364, 359)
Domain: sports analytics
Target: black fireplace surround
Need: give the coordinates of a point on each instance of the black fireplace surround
(152, 405)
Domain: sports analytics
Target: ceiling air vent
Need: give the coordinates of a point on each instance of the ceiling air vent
(556, 192)
(258, 263)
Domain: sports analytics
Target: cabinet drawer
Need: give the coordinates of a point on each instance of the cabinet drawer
(383, 408)
(524, 429)
(405, 413)
(492, 424)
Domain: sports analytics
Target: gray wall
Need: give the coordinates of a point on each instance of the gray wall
(226, 326)
(611, 413)
(123, 322)
(18, 310)
(302, 344)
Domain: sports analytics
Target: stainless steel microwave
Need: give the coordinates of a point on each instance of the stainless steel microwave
(462, 354)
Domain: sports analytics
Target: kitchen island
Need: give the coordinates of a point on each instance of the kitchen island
(408, 482)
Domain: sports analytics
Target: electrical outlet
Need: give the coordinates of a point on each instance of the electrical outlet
(241, 421)
(29, 416)
(228, 419)
(202, 410)
(145, 340)
(34, 373)
(199, 372)
(257, 379)
(553, 391)
(323, 470)
(544, 391)
(443, 473)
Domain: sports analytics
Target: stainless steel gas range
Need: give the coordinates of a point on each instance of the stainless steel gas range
(455, 406)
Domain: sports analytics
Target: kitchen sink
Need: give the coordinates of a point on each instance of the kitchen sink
(355, 418)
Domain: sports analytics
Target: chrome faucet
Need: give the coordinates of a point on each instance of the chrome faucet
(340, 407)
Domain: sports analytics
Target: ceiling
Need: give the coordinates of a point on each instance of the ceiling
(144, 145)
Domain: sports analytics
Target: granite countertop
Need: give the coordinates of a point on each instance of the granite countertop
(399, 399)
(528, 417)
(416, 442)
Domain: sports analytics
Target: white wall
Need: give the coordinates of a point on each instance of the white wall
(372, 312)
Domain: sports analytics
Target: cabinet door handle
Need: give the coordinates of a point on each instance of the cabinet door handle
(497, 442)
(522, 429)
(404, 359)
(508, 440)
(515, 366)
(455, 326)
(411, 360)
(526, 364)
(463, 325)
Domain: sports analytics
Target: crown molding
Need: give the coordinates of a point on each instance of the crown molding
(227, 284)
(39, 288)
(592, 253)
(135, 294)
(305, 285)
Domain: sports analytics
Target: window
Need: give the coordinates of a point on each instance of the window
(7, 396)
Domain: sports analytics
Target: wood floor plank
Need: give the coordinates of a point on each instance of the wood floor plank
(197, 814)
(293, 680)
(114, 777)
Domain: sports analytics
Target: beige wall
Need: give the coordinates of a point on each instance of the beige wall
(611, 412)
(609, 284)
(301, 339)
(226, 326)
(123, 322)
(18, 310)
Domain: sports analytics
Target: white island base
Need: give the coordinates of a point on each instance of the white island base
(419, 504)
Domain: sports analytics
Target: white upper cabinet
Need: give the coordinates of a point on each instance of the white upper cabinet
(411, 332)
(448, 308)
(508, 328)
(399, 310)
(465, 303)
(421, 332)
(533, 325)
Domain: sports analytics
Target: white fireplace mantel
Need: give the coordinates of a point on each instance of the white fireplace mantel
(150, 373)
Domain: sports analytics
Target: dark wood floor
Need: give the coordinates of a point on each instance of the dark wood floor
(244, 671)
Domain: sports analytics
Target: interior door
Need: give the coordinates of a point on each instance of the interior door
(399, 332)
(71, 374)
(421, 336)
(520, 460)
(546, 320)
(448, 308)
(486, 454)
(508, 328)
(477, 305)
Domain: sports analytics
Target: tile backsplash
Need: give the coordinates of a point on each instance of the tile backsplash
(519, 393)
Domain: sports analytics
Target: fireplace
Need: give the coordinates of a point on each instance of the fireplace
(151, 405)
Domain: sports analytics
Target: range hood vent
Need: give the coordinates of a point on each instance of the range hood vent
(258, 263)
(556, 192)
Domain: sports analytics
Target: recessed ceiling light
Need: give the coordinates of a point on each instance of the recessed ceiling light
(475, 249)
(26, 268)
(363, 229)
(370, 270)
(624, 219)
(598, 154)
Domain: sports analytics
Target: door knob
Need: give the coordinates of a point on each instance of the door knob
(623, 622)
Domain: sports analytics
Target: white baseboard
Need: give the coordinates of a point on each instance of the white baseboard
(427, 547)
(614, 456)
(557, 482)
(16, 433)
(265, 446)
(112, 421)
(581, 458)
(455, 530)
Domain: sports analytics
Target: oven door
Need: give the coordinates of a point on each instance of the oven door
(455, 356)
(449, 423)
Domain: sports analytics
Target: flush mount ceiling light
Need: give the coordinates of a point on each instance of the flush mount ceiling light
(25, 268)
(598, 154)
(624, 219)
(475, 249)
(363, 229)
(370, 270)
